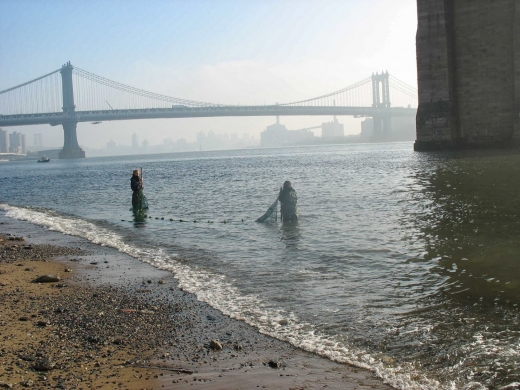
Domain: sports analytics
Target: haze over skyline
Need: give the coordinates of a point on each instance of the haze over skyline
(232, 52)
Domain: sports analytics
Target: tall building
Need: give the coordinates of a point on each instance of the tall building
(23, 144)
(15, 142)
(38, 141)
(135, 141)
(4, 141)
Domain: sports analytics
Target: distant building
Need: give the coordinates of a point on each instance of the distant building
(274, 135)
(403, 129)
(332, 129)
(135, 141)
(367, 129)
(300, 136)
(17, 143)
(38, 141)
(24, 144)
(4, 141)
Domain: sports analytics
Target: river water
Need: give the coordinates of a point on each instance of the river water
(401, 262)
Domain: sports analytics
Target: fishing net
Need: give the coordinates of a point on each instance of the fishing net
(141, 203)
(271, 214)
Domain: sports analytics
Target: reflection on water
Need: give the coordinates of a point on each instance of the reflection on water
(470, 225)
(290, 234)
(140, 218)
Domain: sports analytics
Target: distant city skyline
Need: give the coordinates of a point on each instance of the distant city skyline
(221, 51)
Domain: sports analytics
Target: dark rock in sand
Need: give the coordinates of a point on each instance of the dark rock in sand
(44, 365)
(274, 363)
(43, 323)
(47, 279)
(28, 358)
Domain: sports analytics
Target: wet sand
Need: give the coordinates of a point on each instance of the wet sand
(115, 322)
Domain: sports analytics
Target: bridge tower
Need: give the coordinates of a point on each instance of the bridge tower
(71, 147)
(381, 99)
(468, 66)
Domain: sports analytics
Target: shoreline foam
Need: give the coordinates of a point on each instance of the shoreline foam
(242, 363)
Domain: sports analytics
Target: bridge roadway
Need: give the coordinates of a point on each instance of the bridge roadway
(57, 118)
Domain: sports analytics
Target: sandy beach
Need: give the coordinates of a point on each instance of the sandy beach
(111, 321)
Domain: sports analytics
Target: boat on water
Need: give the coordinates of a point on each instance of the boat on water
(44, 159)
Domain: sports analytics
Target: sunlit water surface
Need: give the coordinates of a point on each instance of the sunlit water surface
(405, 263)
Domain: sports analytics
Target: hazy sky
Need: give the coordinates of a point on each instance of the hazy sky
(221, 51)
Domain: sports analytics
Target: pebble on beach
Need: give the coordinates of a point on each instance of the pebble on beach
(47, 279)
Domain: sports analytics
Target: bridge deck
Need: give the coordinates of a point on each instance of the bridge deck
(57, 118)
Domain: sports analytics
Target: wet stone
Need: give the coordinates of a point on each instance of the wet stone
(47, 279)
(215, 345)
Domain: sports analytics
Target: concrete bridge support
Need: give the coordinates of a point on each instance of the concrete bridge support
(71, 147)
(468, 62)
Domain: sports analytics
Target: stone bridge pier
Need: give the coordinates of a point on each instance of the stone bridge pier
(468, 62)
(71, 148)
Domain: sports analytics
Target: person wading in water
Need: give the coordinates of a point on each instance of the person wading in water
(288, 200)
(136, 183)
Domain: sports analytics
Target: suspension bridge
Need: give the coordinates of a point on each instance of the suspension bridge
(70, 95)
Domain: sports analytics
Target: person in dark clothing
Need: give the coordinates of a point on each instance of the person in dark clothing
(288, 200)
(136, 183)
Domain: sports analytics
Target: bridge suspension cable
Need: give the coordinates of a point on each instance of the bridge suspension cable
(92, 93)
(403, 94)
(355, 95)
(41, 95)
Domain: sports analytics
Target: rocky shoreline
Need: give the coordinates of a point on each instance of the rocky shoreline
(109, 321)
